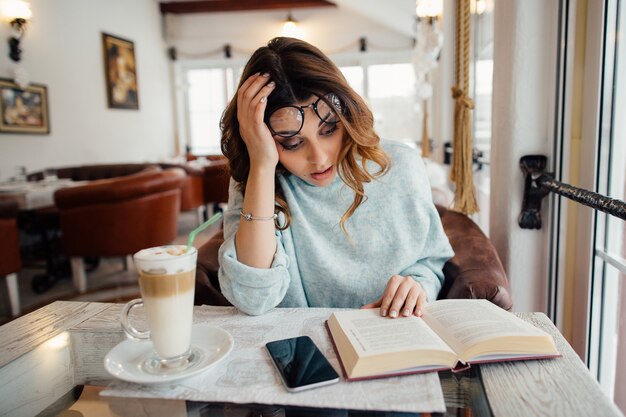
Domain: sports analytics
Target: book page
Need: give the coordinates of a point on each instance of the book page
(462, 323)
(372, 334)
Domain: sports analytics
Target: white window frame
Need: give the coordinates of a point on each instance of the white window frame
(180, 69)
(561, 163)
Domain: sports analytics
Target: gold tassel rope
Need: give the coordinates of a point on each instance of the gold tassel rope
(461, 172)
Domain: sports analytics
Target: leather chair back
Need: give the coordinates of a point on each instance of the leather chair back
(216, 180)
(475, 271)
(10, 259)
(119, 216)
(192, 190)
(96, 172)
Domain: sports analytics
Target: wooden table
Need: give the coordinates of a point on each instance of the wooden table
(47, 353)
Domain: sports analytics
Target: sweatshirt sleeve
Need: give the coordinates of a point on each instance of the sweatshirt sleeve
(252, 290)
(434, 248)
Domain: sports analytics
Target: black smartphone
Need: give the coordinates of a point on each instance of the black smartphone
(301, 364)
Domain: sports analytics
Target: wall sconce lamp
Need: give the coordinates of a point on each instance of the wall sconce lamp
(17, 13)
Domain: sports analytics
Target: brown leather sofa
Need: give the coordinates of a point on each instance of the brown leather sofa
(475, 271)
(118, 216)
(10, 260)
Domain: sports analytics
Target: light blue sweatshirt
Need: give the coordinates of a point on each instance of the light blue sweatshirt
(397, 230)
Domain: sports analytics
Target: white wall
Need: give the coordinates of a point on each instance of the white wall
(62, 49)
(522, 123)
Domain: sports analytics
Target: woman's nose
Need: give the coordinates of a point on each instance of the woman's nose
(316, 154)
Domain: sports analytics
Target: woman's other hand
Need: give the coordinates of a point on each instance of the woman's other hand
(251, 103)
(403, 296)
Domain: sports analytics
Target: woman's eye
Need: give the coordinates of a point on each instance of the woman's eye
(329, 129)
(289, 146)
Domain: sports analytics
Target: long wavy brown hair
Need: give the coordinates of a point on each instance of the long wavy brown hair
(301, 70)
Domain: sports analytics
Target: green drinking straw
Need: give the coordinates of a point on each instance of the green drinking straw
(200, 228)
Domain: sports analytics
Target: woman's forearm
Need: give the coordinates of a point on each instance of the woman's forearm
(255, 240)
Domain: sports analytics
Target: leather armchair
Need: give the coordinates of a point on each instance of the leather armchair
(192, 190)
(10, 260)
(216, 180)
(118, 216)
(475, 271)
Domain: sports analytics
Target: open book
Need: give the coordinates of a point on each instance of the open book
(450, 333)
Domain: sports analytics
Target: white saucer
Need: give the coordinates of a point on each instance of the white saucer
(124, 360)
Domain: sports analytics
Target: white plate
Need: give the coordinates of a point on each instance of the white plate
(124, 360)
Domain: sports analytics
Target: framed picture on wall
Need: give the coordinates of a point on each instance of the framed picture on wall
(23, 110)
(120, 72)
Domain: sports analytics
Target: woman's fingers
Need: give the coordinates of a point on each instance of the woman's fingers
(252, 98)
(410, 301)
(389, 294)
(403, 296)
(245, 89)
(251, 105)
(421, 301)
(398, 301)
(247, 92)
(260, 101)
(247, 83)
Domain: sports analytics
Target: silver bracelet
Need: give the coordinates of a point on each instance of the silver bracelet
(249, 217)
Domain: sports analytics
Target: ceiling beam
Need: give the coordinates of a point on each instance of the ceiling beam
(210, 6)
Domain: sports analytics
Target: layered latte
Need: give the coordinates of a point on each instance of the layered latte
(167, 282)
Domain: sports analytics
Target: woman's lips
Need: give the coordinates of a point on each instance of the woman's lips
(322, 175)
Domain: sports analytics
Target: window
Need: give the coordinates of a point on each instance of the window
(391, 95)
(354, 76)
(608, 302)
(206, 101)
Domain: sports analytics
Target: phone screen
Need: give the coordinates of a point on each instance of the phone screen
(301, 364)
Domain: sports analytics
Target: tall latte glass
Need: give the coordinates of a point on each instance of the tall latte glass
(167, 282)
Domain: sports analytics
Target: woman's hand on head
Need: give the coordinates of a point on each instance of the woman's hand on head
(403, 296)
(251, 104)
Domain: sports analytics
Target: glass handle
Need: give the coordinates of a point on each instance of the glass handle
(128, 328)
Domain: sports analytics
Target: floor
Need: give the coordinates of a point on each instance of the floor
(110, 282)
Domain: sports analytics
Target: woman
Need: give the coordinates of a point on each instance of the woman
(320, 213)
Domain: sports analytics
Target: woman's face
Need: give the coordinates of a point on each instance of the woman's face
(312, 154)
